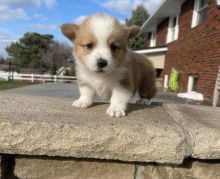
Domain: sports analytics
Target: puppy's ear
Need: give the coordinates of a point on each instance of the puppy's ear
(69, 30)
(132, 31)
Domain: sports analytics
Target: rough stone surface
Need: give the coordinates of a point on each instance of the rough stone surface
(48, 126)
(69, 168)
(163, 134)
(58, 168)
(202, 124)
(190, 169)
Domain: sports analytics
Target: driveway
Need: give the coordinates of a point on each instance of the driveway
(60, 90)
(70, 90)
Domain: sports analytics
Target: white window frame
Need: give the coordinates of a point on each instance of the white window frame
(166, 81)
(196, 10)
(153, 39)
(191, 81)
(218, 3)
(173, 32)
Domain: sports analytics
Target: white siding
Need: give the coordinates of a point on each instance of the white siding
(157, 59)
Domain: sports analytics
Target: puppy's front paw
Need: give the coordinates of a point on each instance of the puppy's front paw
(81, 103)
(115, 111)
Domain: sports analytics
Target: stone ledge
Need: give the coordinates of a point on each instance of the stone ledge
(190, 169)
(70, 168)
(202, 128)
(48, 126)
(50, 168)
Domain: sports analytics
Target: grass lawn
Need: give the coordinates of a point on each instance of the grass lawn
(4, 85)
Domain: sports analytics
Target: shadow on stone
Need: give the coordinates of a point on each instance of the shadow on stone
(8, 167)
(137, 107)
(99, 103)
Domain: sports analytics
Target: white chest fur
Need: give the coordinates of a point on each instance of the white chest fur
(102, 83)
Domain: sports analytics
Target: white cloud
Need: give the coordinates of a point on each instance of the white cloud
(5, 37)
(8, 14)
(152, 5)
(5, 40)
(40, 17)
(79, 19)
(16, 9)
(126, 6)
(50, 3)
(121, 6)
(3, 53)
(40, 26)
(20, 3)
(28, 3)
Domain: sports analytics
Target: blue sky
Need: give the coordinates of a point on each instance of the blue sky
(45, 16)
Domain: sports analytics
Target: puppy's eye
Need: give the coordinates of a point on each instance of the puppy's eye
(89, 46)
(114, 47)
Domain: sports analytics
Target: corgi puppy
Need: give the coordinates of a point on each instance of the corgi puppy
(105, 66)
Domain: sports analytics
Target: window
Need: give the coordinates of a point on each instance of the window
(173, 29)
(153, 39)
(200, 12)
(218, 3)
(192, 83)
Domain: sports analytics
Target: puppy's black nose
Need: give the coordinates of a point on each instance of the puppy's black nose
(101, 63)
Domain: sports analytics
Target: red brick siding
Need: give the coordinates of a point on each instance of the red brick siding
(162, 32)
(197, 50)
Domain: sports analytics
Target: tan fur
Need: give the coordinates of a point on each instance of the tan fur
(141, 76)
(117, 38)
(81, 35)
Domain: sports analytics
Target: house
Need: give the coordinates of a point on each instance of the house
(190, 30)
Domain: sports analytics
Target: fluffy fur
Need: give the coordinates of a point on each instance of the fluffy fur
(124, 73)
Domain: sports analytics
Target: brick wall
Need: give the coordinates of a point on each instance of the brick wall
(197, 50)
(162, 32)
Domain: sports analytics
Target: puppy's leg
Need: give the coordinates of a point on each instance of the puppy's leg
(147, 87)
(118, 103)
(86, 97)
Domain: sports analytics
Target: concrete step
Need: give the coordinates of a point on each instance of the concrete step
(32, 125)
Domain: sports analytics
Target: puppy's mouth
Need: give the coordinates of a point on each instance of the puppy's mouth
(100, 71)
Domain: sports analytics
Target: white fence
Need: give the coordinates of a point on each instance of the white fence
(34, 78)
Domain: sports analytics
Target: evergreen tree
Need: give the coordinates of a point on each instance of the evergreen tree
(139, 16)
(39, 51)
(28, 50)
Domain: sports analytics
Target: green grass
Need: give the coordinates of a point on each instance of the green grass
(4, 85)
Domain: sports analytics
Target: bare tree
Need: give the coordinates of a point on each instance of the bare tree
(56, 56)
